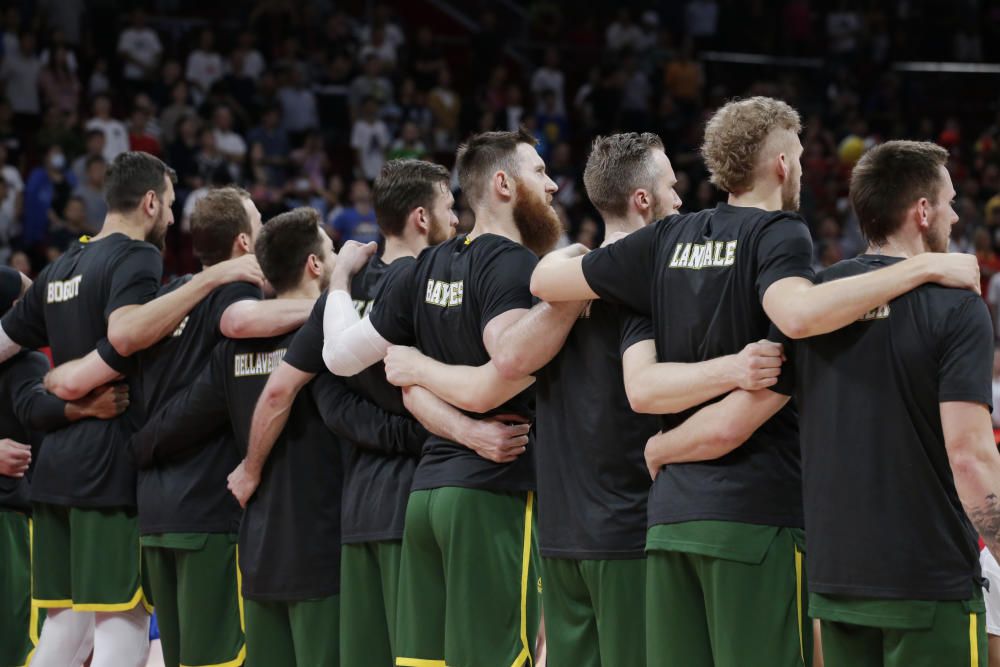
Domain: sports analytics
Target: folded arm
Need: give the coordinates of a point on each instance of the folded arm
(492, 439)
(253, 318)
(715, 430)
(472, 388)
(189, 419)
(661, 388)
(801, 309)
(364, 423)
(75, 379)
(559, 276)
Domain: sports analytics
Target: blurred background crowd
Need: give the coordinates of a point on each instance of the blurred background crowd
(301, 101)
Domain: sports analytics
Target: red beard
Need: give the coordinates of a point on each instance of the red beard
(537, 221)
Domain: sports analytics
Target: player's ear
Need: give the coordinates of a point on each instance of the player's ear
(642, 200)
(502, 184)
(782, 167)
(149, 203)
(420, 219)
(923, 205)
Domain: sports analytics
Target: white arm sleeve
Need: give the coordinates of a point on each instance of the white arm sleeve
(8, 348)
(991, 571)
(350, 344)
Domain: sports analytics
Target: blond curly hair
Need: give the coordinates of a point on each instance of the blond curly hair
(735, 135)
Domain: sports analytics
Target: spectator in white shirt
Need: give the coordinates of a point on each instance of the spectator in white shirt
(20, 72)
(623, 33)
(139, 46)
(115, 133)
(380, 47)
(253, 61)
(299, 114)
(550, 77)
(229, 143)
(204, 66)
(15, 186)
(369, 139)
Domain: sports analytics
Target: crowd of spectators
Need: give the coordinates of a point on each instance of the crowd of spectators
(302, 102)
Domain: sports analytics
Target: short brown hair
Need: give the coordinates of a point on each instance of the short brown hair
(890, 178)
(284, 244)
(218, 218)
(402, 186)
(130, 176)
(485, 154)
(735, 135)
(618, 165)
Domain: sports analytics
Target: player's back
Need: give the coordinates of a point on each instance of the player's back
(873, 447)
(452, 293)
(85, 464)
(301, 484)
(592, 479)
(188, 494)
(706, 275)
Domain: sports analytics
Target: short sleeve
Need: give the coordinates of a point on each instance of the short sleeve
(966, 346)
(136, 278)
(622, 272)
(227, 295)
(392, 312)
(505, 282)
(784, 250)
(306, 349)
(786, 380)
(25, 322)
(635, 328)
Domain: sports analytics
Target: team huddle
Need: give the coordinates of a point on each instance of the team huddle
(678, 449)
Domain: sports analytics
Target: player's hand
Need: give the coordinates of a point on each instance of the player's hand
(758, 365)
(652, 453)
(106, 402)
(14, 458)
(242, 484)
(954, 269)
(500, 439)
(402, 365)
(245, 269)
(353, 256)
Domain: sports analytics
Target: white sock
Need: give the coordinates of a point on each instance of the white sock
(121, 639)
(67, 639)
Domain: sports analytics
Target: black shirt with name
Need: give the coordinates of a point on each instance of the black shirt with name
(441, 304)
(290, 534)
(592, 479)
(87, 463)
(385, 442)
(26, 412)
(884, 519)
(701, 277)
(186, 492)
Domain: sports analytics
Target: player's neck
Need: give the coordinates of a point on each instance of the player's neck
(496, 221)
(305, 290)
(898, 246)
(622, 225)
(397, 247)
(766, 200)
(116, 223)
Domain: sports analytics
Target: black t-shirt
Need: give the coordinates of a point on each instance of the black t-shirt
(384, 447)
(85, 464)
(592, 479)
(186, 492)
(290, 533)
(883, 515)
(26, 411)
(701, 277)
(441, 303)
